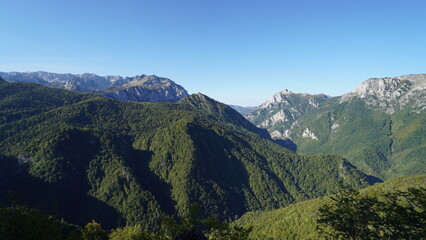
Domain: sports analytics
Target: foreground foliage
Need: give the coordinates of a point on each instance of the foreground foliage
(299, 220)
(396, 215)
(212, 228)
(19, 222)
(135, 232)
(94, 231)
(24, 223)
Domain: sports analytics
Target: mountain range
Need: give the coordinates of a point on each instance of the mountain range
(126, 151)
(378, 126)
(142, 88)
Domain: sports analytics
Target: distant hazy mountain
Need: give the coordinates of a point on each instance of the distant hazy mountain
(74, 82)
(143, 88)
(147, 89)
(243, 110)
(379, 126)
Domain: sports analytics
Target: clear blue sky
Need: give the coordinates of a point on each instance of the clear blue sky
(238, 52)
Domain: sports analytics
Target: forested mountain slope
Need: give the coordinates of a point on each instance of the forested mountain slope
(379, 126)
(90, 157)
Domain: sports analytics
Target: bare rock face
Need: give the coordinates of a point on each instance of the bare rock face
(392, 94)
(307, 133)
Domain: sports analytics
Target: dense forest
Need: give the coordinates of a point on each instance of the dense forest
(395, 209)
(124, 163)
(81, 166)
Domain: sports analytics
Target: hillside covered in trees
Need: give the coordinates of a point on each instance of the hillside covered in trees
(124, 163)
(395, 209)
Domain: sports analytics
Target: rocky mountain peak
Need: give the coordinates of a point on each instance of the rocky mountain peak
(88, 75)
(283, 110)
(147, 88)
(277, 98)
(287, 97)
(150, 81)
(391, 94)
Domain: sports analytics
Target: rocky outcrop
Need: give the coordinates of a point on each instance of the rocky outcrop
(307, 133)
